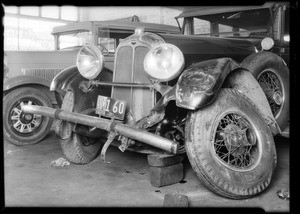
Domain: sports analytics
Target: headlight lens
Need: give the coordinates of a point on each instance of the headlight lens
(164, 62)
(90, 61)
(267, 43)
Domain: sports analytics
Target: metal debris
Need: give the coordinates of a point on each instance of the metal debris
(182, 181)
(60, 162)
(284, 194)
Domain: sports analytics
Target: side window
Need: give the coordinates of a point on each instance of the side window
(75, 39)
(188, 23)
(201, 27)
(286, 36)
(228, 31)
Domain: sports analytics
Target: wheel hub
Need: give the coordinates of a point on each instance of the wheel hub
(23, 123)
(233, 137)
(237, 139)
(26, 118)
(277, 97)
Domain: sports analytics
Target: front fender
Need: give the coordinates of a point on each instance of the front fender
(199, 83)
(24, 80)
(61, 80)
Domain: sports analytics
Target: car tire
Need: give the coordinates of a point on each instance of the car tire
(20, 128)
(212, 136)
(80, 149)
(273, 76)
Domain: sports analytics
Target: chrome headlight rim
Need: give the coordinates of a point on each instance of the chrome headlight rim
(90, 61)
(267, 43)
(178, 58)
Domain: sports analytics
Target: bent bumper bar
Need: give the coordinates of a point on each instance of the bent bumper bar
(108, 125)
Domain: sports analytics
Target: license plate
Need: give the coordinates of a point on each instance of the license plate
(110, 107)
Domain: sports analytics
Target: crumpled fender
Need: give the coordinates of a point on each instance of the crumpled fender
(60, 81)
(199, 83)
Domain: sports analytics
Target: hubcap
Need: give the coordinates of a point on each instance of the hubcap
(235, 143)
(24, 123)
(277, 97)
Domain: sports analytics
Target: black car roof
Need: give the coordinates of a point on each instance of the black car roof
(209, 10)
(87, 25)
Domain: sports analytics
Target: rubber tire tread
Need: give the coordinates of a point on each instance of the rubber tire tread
(207, 175)
(256, 63)
(9, 100)
(75, 152)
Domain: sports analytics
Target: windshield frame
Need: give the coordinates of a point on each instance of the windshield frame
(57, 38)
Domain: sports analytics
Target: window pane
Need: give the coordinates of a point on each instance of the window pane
(11, 9)
(69, 13)
(30, 11)
(108, 43)
(50, 12)
(36, 34)
(201, 26)
(10, 33)
(287, 21)
(75, 39)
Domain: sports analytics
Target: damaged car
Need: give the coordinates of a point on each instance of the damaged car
(175, 94)
(28, 74)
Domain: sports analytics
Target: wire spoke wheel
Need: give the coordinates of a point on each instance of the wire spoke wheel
(230, 147)
(272, 85)
(235, 142)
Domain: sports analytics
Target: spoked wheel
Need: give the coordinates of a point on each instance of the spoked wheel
(21, 128)
(236, 145)
(273, 76)
(230, 147)
(272, 85)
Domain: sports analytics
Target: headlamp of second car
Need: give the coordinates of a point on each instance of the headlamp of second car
(90, 61)
(164, 62)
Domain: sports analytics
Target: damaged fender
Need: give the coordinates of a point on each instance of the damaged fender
(198, 84)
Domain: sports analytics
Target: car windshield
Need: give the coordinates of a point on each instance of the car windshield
(250, 23)
(75, 39)
(109, 38)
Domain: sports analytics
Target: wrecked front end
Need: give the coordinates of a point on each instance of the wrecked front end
(153, 87)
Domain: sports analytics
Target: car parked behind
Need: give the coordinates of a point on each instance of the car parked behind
(29, 73)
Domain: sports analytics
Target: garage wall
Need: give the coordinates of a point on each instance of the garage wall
(160, 15)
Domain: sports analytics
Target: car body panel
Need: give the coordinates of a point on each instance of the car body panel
(198, 48)
(198, 84)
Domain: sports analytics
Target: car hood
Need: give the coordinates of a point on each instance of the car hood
(190, 44)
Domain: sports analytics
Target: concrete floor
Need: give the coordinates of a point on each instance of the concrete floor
(30, 181)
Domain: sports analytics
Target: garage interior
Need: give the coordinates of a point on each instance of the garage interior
(30, 180)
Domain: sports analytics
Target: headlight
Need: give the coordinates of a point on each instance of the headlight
(164, 62)
(267, 43)
(90, 61)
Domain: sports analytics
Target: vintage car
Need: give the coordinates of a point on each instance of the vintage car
(253, 23)
(31, 72)
(176, 94)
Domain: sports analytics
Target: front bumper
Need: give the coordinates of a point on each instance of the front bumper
(108, 125)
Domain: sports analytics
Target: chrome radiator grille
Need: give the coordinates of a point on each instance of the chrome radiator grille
(129, 68)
